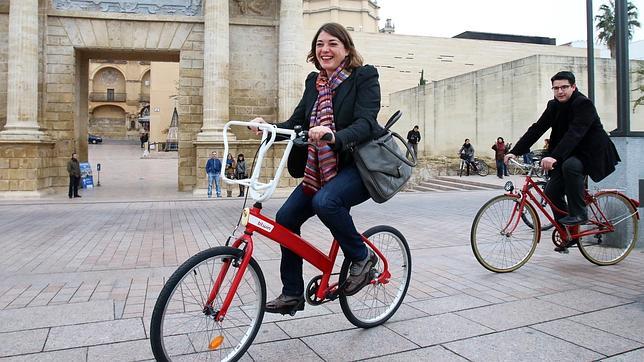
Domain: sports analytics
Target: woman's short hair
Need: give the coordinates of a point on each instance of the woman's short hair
(338, 31)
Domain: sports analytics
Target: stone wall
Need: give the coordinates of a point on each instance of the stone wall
(502, 100)
(27, 168)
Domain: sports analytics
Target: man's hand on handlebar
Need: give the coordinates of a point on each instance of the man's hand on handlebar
(548, 163)
(316, 133)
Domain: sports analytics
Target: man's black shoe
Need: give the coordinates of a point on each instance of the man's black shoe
(77, 196)
(565, 245)
(359, 273)
(573, 220)
(285, 305)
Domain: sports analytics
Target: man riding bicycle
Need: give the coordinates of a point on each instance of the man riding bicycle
(578, 147)
(466, 153)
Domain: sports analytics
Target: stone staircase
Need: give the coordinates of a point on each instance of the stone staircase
(443, 184)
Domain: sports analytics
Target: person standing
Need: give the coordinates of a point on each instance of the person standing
(500, 150)
(578, 147)
(230, 173)
(73, 169)
(240, 172)
(413, 137)
(213, 170)
(343, 99)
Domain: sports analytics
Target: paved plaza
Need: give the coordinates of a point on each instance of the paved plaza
(79, 278)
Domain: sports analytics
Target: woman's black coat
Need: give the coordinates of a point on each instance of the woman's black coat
(576, 131)
(355, 109)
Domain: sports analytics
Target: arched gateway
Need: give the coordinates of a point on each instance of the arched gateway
(237, 59)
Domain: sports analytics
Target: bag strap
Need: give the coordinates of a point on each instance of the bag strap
(409, 150)
(393, 119)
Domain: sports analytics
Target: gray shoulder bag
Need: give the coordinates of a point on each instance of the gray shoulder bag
(383, 167)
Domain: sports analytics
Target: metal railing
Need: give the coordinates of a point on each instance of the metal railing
(107, 97)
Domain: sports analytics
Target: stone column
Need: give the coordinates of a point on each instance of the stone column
(291, 52)
(216, 55)
(22, 77)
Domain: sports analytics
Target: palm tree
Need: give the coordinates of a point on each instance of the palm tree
(640, 78)
(606, 24)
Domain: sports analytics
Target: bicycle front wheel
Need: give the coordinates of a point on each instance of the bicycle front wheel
(184, 327)
(545, 223)
(500, 240)
(376, 303)
(482, 168)
(610, 248)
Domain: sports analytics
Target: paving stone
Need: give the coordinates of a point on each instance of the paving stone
(594, 339)
(436, 353)
(315, 325)
(269, 332)
(22, 342)
(289, 350)
(516, 314)
(448, 304)
(585, 300)
(90, 334)
(626, 321)
(68, 355)
(125, 351)
(524, 344)
(51, 316)
(438, 329)
(633, 356)
(357, 344)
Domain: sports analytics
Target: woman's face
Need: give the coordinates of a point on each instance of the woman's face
(330, 52)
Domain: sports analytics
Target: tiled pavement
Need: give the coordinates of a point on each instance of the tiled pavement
(78, 281)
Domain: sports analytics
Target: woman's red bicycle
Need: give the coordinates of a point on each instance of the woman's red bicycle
(212, 306)
(506, 230)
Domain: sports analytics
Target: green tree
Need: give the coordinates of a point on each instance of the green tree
(422, 81)
(640, 78)
(605, 23)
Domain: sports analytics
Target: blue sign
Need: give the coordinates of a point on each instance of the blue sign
(87, 180)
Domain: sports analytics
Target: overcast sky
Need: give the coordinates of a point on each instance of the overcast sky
(564, 20)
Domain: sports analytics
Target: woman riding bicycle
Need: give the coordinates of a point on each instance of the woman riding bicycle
(466, 152)
(342, 99)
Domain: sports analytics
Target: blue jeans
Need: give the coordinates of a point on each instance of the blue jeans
(215, 177)
(331, 204)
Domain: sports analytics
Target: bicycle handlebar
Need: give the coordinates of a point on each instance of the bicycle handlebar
(261, 191)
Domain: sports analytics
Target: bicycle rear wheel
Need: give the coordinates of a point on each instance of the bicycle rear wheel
(461, 168)
(376, 303)
(545, 223)
(183, 326)
(500, 241)
(482, 168)
(613, 247)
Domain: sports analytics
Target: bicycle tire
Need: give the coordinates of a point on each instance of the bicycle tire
(460, 169)
(487, 235)
(482, 168)
(543, 220)
(180, 327)
(514, 169)
(613, 247)
(375, 304)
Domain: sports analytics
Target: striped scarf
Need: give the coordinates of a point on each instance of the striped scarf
(322, 162)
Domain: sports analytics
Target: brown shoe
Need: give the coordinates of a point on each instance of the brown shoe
(564, 247)
(360, 273)
(285, 304)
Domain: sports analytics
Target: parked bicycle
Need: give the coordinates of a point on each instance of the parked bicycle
(213, 305)
(478, 166)
(506, 230)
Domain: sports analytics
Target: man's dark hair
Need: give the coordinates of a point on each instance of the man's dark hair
(416, 126)
(564, 75)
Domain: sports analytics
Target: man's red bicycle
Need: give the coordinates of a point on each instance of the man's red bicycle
(212, 306)
(506, 230)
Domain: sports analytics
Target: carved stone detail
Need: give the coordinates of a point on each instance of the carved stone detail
(262, 8)
(144, 7)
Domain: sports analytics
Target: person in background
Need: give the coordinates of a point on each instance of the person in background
(240, 172)
(500, 150)
(413, 137)
(578, 147)
(230, 173)
(213, 170)
(73, 169)
(466, 152)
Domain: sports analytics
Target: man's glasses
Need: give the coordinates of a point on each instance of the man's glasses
(563, 87)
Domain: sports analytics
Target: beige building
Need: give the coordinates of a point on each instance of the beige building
(355, 15)
(235, 59)
(163, 99)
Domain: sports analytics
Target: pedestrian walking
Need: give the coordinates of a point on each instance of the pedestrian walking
(230, 173)
(240, 172)
(73, 169)
(213, 170)
(413, 137)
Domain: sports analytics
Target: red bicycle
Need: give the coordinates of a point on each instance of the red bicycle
(213, 305)
(506, 230)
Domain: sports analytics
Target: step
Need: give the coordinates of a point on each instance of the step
(469, 181)
(426, 188)
(429, 184)
(457, 183)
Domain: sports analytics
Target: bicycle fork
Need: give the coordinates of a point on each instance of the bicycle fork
(220, 314)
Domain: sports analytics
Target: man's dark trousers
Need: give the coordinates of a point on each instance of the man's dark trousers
(73, 186)
(567, 179)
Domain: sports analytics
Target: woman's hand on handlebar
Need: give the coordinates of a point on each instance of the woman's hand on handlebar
(255, 129)
(316, 133)
(508, 157)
